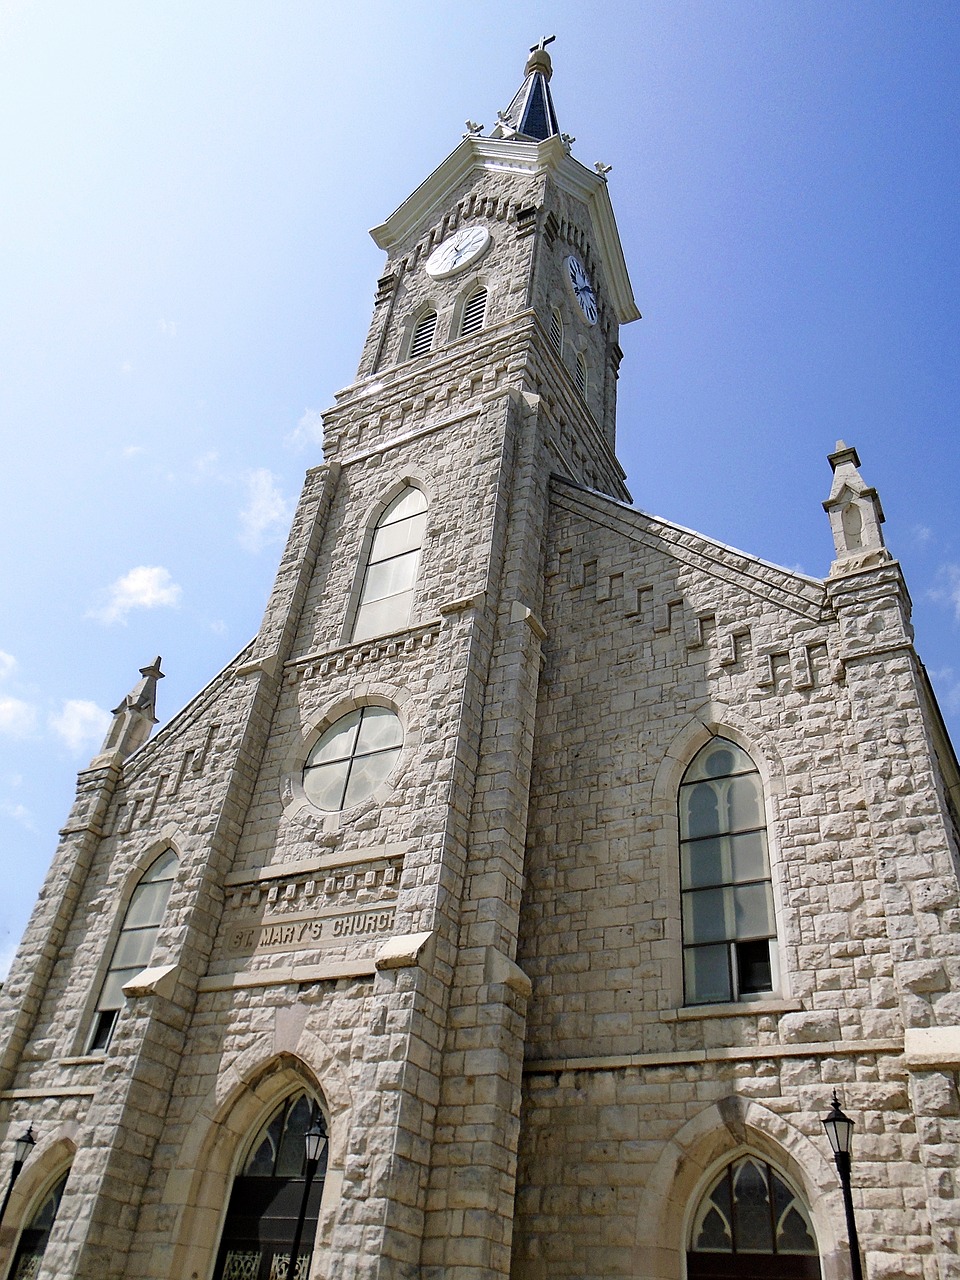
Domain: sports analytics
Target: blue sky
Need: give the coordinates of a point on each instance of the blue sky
(186, 279)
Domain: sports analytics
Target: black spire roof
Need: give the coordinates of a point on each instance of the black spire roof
(531, 113)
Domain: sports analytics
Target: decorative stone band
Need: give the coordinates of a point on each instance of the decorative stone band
(401, 952)
(614, 1062)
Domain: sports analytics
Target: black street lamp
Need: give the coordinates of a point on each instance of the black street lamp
(315, 1142)
(21, 1149)
(840, 1132)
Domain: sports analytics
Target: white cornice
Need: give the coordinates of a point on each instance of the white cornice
(533, 158)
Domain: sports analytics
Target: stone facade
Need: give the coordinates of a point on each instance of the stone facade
(477, 970)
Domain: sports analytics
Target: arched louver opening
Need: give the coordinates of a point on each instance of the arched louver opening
(423, 334)
(474, 313)
(581, 375)
(556, 332)
(386, 597)
(752, 1225)
(131, 955)
(267, 1195)
(729, 930)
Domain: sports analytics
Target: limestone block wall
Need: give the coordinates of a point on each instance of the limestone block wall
(656, 639)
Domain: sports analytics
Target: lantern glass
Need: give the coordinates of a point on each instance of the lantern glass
(315, 1141)
(839, 1129)
(23, 1146)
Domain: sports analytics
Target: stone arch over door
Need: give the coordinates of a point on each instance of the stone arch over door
(42, 1171)
(217, 1141)
(693, 1158)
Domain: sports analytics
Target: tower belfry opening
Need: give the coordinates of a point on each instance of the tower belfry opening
(539, 856)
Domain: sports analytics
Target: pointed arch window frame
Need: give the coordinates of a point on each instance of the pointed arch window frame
(384, 553)
(101, 1023)
(280, 1179)
(581, 375)
(421, 338)
(556, 329)
(466, 309)
(722, 902)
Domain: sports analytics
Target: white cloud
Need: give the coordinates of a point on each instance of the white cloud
(168, 328)
(8, 664)
(17, 717)
(19, 813)
(146, 587)
(948, 593)
(80, 724)
(133, 450)
(218, 627)
(308, 431)
(267, 514)
(922, 536)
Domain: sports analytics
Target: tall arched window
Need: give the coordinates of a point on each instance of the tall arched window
(751, 1224)
(729, 931)
(267, 1195)
(423, 331)
(134, 945)
(474, 312)
(386, 597)
(34, 1236)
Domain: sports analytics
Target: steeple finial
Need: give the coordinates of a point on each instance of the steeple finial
(855, 515)
(531, 116)
(134, 717)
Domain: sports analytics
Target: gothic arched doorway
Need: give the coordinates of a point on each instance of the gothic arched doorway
(751, 1224)
(266, 1198)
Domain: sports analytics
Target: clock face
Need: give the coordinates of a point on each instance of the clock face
(582, 289)
(458, 252)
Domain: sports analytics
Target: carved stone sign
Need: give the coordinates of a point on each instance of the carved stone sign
(308, 932)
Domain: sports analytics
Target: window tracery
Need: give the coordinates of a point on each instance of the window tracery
(752, 1223)
(729, 929)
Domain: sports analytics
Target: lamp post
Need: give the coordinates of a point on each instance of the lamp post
(21, 1149)
(840, 1132)
(315, 1142)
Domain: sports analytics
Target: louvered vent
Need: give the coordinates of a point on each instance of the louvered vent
(556, 331)
(423, 335)
(473, 313)
(582, 376)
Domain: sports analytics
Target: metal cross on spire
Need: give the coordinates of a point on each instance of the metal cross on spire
(544, 41)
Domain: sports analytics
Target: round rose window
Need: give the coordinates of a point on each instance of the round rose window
(352, 758)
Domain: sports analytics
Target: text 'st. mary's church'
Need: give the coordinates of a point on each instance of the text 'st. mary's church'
(549, 863)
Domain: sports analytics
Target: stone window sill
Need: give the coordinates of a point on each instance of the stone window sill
(743, 1009)
(83, 1060)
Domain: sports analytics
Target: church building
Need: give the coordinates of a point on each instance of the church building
(511, 907)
